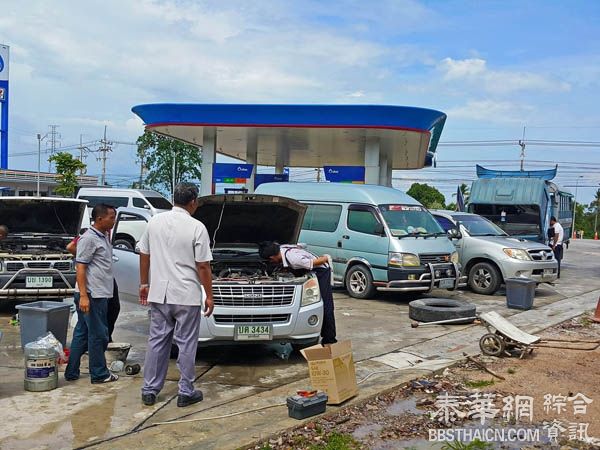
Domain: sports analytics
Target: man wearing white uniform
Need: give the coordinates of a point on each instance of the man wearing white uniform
(557, 240)
(175, 252)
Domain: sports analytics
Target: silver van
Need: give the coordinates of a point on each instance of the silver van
(254, 300)
(489, 255)
(380, 238)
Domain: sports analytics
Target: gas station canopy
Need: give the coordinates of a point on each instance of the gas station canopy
(379, 137)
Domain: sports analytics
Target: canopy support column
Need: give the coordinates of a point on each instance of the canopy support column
(251, 157)
(209, 146)
(372, 152)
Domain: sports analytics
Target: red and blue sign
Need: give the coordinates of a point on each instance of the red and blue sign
(345, 174)
(231, 173)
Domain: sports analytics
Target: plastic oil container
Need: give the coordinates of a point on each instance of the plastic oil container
(41, 372)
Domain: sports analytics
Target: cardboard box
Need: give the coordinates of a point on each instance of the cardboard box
(331, 370)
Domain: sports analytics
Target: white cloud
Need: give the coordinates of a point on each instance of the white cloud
(474, 72)
(491, 111)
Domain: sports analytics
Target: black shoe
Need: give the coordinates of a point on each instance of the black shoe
(148, 399)
(187, 400)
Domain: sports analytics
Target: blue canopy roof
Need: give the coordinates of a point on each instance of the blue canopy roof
(546, 175)
(313, 135)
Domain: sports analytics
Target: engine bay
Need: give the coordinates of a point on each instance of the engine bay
(39, 248)
(249, 268)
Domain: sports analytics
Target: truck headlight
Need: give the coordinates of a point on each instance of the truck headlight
(310, 292)
(517, 253)
(454, 257)
(396, 259)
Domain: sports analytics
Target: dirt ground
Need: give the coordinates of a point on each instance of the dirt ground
(402, 417)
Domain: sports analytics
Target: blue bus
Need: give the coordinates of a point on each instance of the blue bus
(522, 202)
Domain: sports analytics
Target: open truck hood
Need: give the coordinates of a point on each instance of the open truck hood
(30, 215)
(250, 218)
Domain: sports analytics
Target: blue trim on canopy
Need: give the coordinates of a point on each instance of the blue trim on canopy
(295, 116)
(546, 175)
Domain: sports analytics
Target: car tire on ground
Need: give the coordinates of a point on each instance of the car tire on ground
(359, 282)
(484, 278)
(124, 244)
(436, 309)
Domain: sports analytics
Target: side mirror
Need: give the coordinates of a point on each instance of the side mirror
(454, 233)
(379, 230)
(146, 206)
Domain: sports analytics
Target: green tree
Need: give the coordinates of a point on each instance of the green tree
(156, 153)
(427, 195)
(66, 167)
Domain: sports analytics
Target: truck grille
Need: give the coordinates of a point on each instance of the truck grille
(254, 318)
(434, 258)
(541, 255)
(39, 264)
(63, 266)
(253, 296)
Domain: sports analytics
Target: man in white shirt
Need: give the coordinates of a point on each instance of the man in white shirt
(557, 240)
(175, 279)
(297, 258)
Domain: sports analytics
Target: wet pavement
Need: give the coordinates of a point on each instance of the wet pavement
(243, 378)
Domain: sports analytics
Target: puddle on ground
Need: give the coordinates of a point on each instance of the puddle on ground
(400, 407)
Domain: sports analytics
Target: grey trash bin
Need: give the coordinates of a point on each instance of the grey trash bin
(520, 293)
(37, 318)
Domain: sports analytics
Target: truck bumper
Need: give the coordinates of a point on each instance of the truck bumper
(423, 279)
(13, 286)
(540, 271)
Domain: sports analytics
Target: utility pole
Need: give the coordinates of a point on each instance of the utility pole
(104, 149)
(574, 230)
(318, 169)
(522, 145)
(54, 142)
(82, 149)
(142, 155)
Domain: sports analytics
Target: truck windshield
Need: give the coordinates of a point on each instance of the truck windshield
(478, 226)
(410, 220)
(517, 220)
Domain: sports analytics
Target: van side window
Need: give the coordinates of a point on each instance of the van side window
(362, 220)
(139, 202)
(94, 200)
(446, 224)
(322, 217)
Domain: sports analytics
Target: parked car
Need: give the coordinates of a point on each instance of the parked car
(135, 199)
(489, 255)
(34, 262)
(254, 300)
(380, 238)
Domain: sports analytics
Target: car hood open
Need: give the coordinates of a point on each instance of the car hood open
(250, 218)
(30, 215)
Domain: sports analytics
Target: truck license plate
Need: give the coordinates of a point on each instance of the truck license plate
(253, 332)
(548, 272)
(446, 284)
(38, 282)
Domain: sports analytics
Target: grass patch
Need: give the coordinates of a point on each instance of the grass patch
(511, 370)
(337, 441)
(478, 384)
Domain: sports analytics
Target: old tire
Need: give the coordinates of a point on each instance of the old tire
(492, 345)
(359, 282)
(484, 278)
(436, 309)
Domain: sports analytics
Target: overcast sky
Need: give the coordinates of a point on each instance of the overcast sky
(493, 67)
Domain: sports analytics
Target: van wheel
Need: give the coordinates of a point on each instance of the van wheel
(124, 244)
(484, 278)
(359, 282)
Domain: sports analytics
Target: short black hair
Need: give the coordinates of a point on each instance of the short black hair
(267, 249)
(185, 193)
(101, 210)
(553, 218)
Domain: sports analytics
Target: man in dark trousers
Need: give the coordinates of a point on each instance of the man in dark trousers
(297, 258)
(94, 288)
(557, 240)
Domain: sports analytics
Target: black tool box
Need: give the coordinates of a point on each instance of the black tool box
(303, 406)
